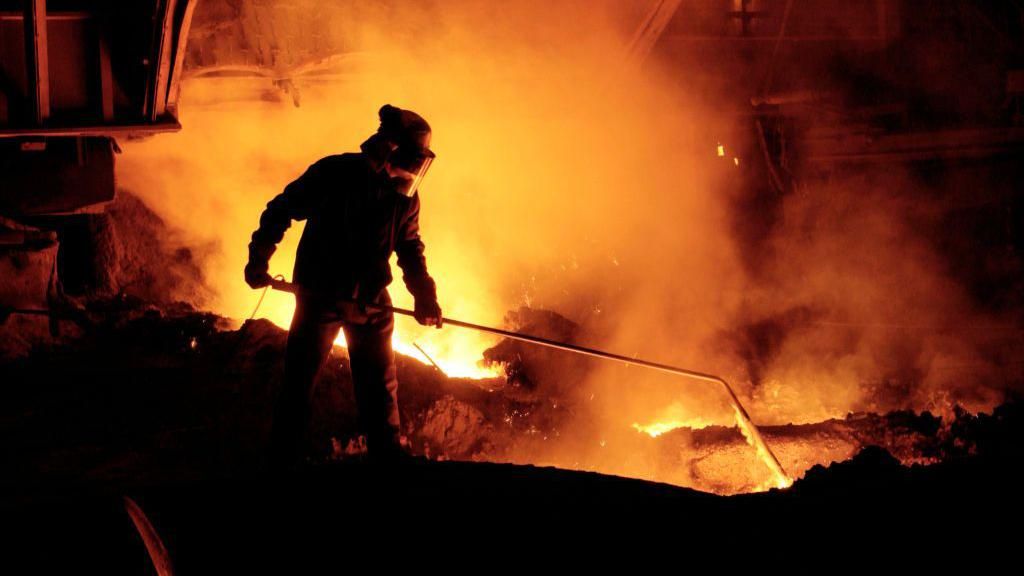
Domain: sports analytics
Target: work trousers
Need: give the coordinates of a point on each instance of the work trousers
(314, 328)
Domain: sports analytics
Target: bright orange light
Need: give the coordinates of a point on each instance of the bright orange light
(751, 435)
(457, 352)
(656, 429)
(511, 198)
(675, 415)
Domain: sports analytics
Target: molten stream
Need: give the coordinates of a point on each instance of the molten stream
(753, 437)
(750, 433)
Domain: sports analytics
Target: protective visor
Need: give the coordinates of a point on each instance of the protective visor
(415, 163)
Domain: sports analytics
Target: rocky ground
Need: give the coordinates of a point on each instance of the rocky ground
(171, 406)
(141, 393)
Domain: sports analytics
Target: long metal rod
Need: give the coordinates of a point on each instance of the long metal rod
(757, 439)
(427, 356)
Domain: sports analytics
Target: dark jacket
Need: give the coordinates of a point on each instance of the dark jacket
(353, 224)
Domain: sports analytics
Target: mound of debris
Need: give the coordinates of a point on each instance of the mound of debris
(143, 394)
(156, 393)
(535, 371)
(125, 252)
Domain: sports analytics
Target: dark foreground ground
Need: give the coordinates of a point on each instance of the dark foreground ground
(171, 412)
(355, 515)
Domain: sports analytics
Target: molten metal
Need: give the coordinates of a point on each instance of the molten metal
(746, 425)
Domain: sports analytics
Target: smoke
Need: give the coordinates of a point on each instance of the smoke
(568, 181)
(866, 315)
(561, 179)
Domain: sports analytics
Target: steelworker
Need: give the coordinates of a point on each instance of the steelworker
(358, 208)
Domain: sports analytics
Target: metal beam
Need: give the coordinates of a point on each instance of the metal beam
(111, 130)
(178, 65)
(9, 16)
(163, 67)
(650, 30)
(882, 8)
(916, 146)
(106, 76)
(37, 60)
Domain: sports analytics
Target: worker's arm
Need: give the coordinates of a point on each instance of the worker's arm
(413, 263)
(296, 202)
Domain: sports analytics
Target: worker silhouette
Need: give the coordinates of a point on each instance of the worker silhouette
(358, 208)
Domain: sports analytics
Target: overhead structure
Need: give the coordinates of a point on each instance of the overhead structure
(91, 67)
(75, 75)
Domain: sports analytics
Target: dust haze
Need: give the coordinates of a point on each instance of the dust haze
(568, 181)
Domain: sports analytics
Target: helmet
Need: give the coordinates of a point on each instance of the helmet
(403, 142)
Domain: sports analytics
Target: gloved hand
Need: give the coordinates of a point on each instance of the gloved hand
(428, 313)
(256, 276)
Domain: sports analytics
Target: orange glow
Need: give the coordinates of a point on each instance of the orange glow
(457, 352)
(656, 429)
(564, 185)
(753, 437)
(676, 415)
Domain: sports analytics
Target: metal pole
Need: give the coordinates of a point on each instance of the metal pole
(759, 442)
(427, 356)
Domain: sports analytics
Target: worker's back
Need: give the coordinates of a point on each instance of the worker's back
(353, 223)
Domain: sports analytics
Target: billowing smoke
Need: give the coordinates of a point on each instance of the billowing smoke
(569, 181)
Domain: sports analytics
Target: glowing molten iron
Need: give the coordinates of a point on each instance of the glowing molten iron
(458, 353)
(655, 429)
(779, 477)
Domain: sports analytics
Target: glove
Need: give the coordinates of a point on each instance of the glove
(256, 276)
(428, 313)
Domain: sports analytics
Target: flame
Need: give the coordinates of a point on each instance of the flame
(678, 414)
(655, 429)
(457, 352)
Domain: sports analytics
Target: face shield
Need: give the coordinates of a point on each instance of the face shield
(409, 167)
